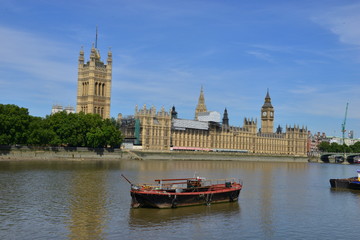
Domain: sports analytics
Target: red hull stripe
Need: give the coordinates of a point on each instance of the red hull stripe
(163, 192)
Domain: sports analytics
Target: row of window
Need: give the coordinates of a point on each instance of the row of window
(98, 110)
(99, 89)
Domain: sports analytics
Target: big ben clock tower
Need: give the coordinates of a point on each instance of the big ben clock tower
(267, 115)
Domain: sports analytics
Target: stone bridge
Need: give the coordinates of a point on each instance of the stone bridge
(340, 157)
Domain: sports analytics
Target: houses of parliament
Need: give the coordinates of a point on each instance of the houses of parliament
(149, 129)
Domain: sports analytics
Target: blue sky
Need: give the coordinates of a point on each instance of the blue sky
(306, 52)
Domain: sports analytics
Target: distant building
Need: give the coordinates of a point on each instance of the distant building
(339, 140)
(313, 142)
(351, 134)
(58, 108)
(69, 109)
(163, 130)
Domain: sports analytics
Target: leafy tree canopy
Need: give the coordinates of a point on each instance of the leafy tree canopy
(335, 147)
(74, 129)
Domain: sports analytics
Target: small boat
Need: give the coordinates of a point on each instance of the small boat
(347, 183)
(182, 192)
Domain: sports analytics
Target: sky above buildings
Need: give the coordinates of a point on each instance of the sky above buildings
(307, 53)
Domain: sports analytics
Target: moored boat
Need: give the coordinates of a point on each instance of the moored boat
(347, 183)
(181, 192)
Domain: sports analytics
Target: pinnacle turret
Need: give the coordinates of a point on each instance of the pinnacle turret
(225, 120)
(201, 107)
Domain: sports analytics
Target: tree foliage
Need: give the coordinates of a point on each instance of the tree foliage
(14, 121)
(59, 129)
(335, 147)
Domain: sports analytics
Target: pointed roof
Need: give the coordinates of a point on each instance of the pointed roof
(225, 119)
(267, 94)
(201, 101)
(173, 112)
(201, 107)
(225, 115)
(267, 103)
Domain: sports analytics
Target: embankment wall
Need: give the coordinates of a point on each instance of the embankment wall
(64, 153)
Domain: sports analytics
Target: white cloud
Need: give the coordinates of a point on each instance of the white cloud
(304, 90)
(261, 55)
(343, 21)
(325, 101)
(31, 54)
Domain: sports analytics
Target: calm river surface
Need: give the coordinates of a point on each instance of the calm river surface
(90, 200)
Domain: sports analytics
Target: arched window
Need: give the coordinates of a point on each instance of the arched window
(103, 89)
(95, 90)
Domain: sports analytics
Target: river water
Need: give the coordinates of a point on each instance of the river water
(90, 200)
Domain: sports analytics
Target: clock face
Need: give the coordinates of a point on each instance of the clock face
(264, 114)
(271, 114)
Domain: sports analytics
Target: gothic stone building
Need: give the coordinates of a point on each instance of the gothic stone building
(94, 84)
(162, 130)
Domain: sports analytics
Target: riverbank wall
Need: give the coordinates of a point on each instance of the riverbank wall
(19, 153)
(215, 156)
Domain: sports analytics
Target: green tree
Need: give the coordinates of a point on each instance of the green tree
(112, 133)
(41, 134)
(344, 148)
(355, 147)
(95, 138)
(105, 135)
(324, 146)
(334, 147)
(14, 122)
(74, 129)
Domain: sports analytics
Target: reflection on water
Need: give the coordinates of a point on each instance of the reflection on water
(150, 217)
(341, 191)
(208, 165)
(265, 194)
(87, 211)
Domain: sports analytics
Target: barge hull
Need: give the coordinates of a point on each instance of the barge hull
(141, 199)
(345, 183)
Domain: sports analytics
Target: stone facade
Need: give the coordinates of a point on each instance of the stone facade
(162, 130)
(155, 131)
(94, 84)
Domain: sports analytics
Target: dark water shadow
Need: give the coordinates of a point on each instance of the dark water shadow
(147, 217)
(339, 191)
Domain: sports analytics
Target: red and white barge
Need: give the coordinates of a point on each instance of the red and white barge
(182, 192)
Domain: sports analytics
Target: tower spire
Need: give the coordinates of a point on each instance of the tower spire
(201, 107)
(96, 37)
(225, 120)
(267, 102)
